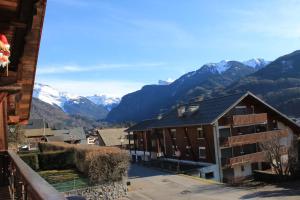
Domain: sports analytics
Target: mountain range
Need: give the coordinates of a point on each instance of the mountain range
(277, 82)
(67, 106)
(152, 100)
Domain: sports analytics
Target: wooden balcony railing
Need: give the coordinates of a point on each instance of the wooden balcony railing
(26, 184)
(242, 120)
(248, 158)
(255, 137)
(254, 157)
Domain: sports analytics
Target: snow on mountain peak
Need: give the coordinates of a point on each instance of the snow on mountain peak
(49, 95)
(256, 62)
(103, 99)
(53, 96)
(167, 82)
(219, 67)
(223, 65)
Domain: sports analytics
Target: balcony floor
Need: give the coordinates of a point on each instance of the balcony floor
(4, 193)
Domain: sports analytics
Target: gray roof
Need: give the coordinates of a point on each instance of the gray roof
(141, 126)
(113, 136)
(209, 110)
(36, 124)
(67, 135)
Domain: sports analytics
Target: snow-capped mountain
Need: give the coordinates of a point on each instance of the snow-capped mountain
(167, 82)
(205, 80)
(256, 63)
(108, 102)
(50, 95)
(53, 96)
(224, 65)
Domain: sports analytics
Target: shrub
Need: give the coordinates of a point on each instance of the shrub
(31, 159)
(54, 146)
(56, 160)
(99, 164)
(108, 167)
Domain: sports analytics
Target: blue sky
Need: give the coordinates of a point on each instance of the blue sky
(114, 47)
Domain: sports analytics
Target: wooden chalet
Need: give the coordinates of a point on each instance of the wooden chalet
(219, 135)
(21, 23)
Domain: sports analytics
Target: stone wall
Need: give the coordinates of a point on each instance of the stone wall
(105, 191)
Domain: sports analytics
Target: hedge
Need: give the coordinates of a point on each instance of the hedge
(56, 160)
(49, 160)
(99, 164)
(31, 159)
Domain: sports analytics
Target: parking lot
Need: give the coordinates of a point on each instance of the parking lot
(149, 183)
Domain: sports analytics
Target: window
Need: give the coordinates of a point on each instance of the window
(241, 110)
(200, 132)
(173, 133)
(153, 143)
(174, 150)
(274, 123)
(202, 152)
(188, 150)
(242, 168)
(209, 175)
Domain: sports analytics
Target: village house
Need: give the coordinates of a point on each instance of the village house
(220, 135)
(36, 131)
(113, 137)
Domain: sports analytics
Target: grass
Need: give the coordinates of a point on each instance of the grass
(65, 180)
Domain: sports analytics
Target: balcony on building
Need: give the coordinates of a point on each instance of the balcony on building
(249, 119)
(255, 137)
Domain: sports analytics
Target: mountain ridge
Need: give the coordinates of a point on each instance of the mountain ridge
(150, 100)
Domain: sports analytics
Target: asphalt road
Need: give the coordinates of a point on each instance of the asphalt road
(149, 184)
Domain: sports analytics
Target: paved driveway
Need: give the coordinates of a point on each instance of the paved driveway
(149, 184)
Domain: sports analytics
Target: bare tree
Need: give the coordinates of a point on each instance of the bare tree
(274, 151)
(292, 157)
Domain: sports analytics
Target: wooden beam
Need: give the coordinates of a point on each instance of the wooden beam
(3, 122)
(11, 89)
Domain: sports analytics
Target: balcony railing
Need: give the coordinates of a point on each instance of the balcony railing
(255, 137)
(243, 120)
(248, 158)
(254, 157)
(24, 183)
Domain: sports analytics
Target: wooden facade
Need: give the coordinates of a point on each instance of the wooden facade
(21, 22)
(230, 142)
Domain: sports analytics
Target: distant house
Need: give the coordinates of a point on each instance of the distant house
(72, 136)
(220, 136)
(36, 131)
(113, 137)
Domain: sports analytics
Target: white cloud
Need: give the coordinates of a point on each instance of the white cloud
(61, 69)
(85, 88)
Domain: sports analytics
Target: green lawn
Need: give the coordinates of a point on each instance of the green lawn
(64, 180)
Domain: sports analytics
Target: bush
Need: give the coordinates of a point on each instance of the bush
(54, 146)
(99, 164)
(56, 160)
(31, 159)
(108, 167)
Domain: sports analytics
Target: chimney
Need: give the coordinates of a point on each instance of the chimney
(180, 110)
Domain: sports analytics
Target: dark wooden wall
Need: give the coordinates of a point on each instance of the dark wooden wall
(3, 121)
